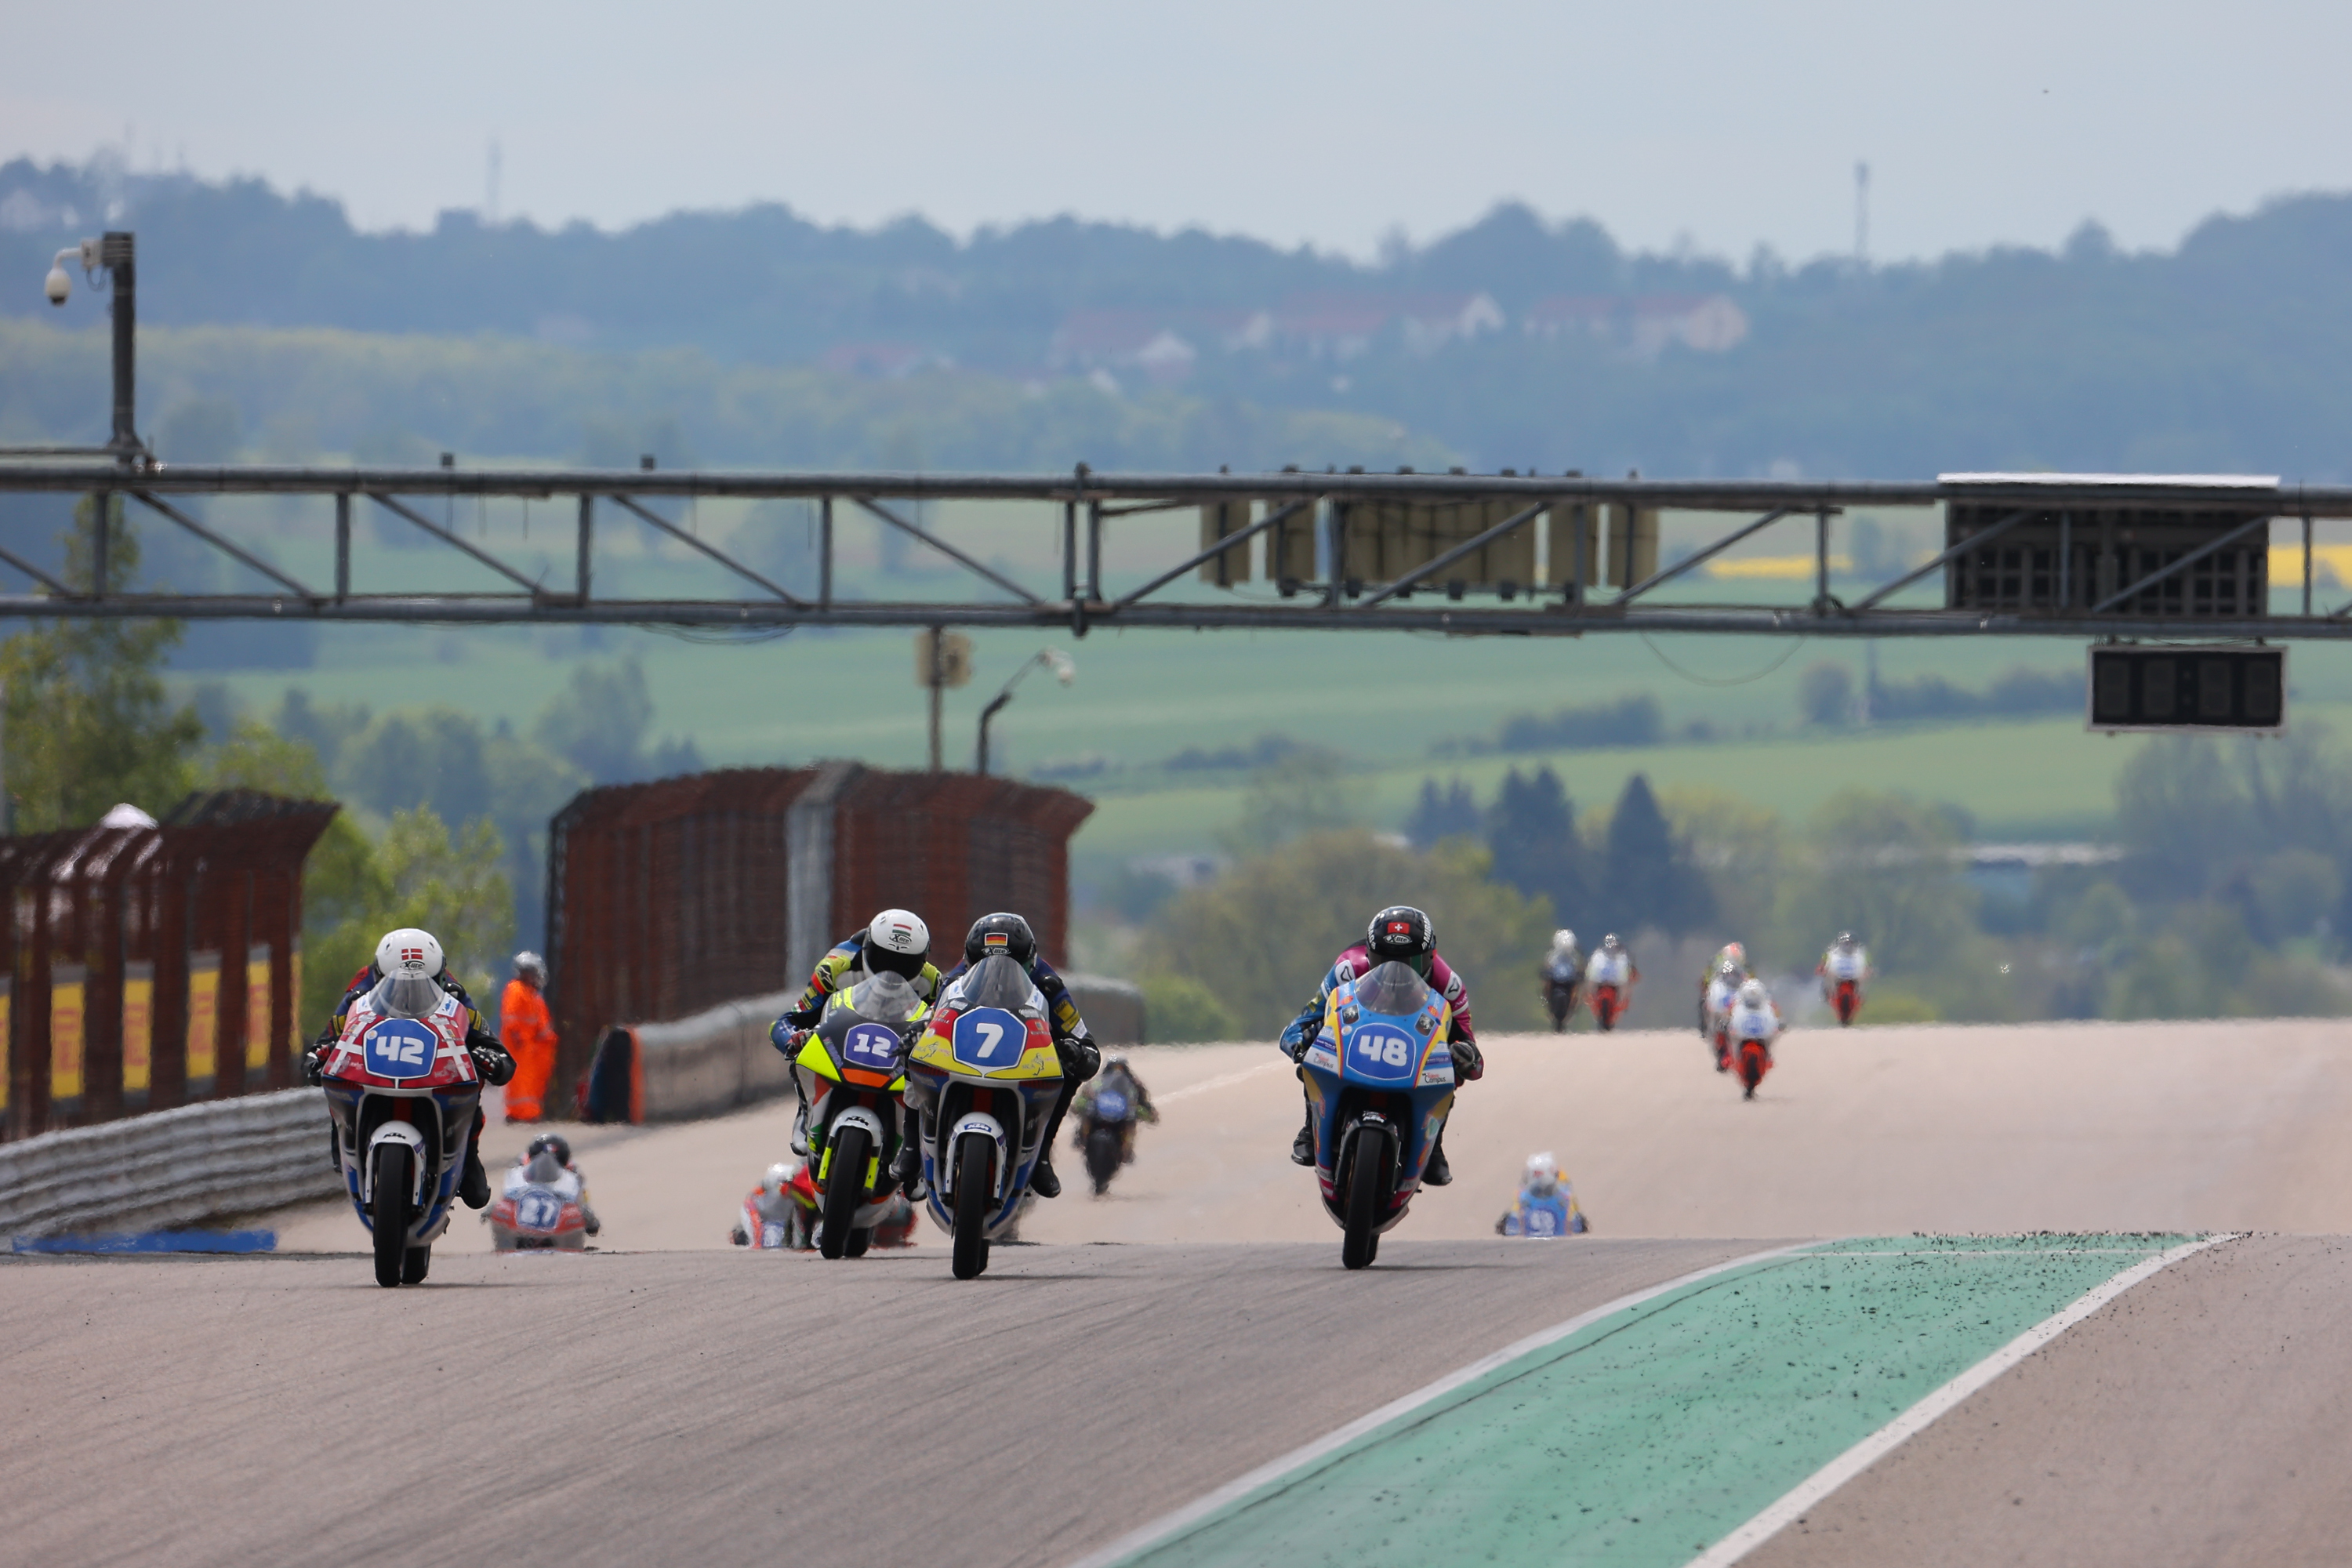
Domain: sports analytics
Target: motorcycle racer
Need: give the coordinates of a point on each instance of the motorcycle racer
(1563, 976)
(1010, 934)
(1845, 959)
(562, 1172)
(786, 1197)
(1399, 933)
(1119, 1075)
(411, 958)
(896, 940)
(1547, 1206)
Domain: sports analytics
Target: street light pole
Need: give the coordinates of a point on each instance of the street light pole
(114, 253)
(1063, 669)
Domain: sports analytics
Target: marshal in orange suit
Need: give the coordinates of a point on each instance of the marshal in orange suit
(528, 1036)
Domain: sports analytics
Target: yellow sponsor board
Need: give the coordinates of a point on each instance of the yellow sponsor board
(204, 1017)
(138, 1028)
(66, 1033)
(257, 1010)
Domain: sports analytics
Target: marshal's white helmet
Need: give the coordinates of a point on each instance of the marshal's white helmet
(1541, 1175)
(1751, 994)
(528, 963)
(1563, 939)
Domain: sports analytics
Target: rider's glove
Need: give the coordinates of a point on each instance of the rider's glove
(490, 1060)
(1468, 1065)
(804, 1017)
(1080, 1060)
(314, 1065)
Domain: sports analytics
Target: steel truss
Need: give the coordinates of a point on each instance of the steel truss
(1093, 503)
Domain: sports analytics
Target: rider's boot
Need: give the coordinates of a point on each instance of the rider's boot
(1437, 1173)
(907, 1169)
(1302, 1148)
(1042, 1180)
(800, 1122)
(474, 1186)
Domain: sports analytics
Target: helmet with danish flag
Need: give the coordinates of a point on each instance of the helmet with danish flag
(409, 954)
(1401, 934)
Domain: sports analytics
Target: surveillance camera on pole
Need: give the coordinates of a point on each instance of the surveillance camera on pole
(114, 254)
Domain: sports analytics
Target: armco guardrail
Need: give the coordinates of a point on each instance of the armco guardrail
(722, 1057)
(174, 1167)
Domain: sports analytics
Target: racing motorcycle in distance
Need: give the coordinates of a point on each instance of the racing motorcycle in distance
(1380, 1081)
(1106, 1115)
(1842, 970)
(401, 1092)
(1609, 985)
(983, 1077)
(851, 1071)
(1563, 978)
(1751, 1028)
(542, 1207)
(1717, 995)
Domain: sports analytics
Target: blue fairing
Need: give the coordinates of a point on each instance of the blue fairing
(1036, 1106)
(1382, 1055)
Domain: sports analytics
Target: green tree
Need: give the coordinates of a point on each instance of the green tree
(88, 722)
(1305, 792)
(1260, 936)
(1884, 867)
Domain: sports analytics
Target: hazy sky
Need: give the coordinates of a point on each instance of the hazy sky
(1330, 123)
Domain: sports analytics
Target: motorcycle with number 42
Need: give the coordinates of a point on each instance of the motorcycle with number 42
(401, 1091)
(852, 1074)
(983, 1079)
(1380, 1082)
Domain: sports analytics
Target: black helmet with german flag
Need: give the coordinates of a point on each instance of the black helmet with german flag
(1001, 932)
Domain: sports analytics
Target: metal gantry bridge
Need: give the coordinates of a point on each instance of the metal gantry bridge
(2097, 556)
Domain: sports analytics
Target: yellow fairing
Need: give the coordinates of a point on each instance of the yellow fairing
(934, 1051)
(817, 1058)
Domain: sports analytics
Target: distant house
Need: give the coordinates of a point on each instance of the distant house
(1341, 326)
(1642, 326)
(1122, 340)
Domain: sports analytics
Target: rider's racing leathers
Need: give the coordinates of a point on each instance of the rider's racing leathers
(1072, 1043)
(842, 968)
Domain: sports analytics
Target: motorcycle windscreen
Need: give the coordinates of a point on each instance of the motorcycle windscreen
(997, 980)
(885, 998)
(1393, 989)
(406, 996)
(544, 1168)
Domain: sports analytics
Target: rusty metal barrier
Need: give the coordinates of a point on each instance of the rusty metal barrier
(151, 967)
(667, 899)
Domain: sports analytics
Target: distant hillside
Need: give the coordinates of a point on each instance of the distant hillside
(1514, 341)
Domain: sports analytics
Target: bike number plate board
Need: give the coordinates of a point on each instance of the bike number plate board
(538, 1210)
(399, 1047)
(1111, 1106)
(990, 1038)
(874, 1046)
(1382, 1053)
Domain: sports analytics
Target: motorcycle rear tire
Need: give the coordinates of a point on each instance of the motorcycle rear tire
(416, 1265)
(1751, 1070)
(971, 1199)
(1365, 1186)
(845, 1154)
(388, 1214)
(860, 1239)
(1102, 1157)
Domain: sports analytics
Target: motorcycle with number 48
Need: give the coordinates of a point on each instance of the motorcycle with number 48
(1380, 1082)
(983, 1079)
(401, 1089)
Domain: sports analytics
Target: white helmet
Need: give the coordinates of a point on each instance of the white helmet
(778, 1178)
(897, 940)
(1563, 939)
(1751, 994)
(1541, 1175)
(528, 963)
(409, 953)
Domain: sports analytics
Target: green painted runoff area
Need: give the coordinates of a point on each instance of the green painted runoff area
(1647, 1436)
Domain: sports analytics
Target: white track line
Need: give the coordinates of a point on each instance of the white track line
(1227, 1081)
(1191, 1513)
(1888, 1439)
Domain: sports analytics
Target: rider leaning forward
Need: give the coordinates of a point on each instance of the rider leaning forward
(899, 942)
(1402, 934)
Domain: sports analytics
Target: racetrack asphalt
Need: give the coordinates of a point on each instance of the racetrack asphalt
(719, 1409)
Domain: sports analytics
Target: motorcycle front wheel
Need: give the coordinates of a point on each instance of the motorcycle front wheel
(860, 1240)
(388, 1214)
(971, 1196)
(1362, 1240)
(845, 1156)
(1102, 1157)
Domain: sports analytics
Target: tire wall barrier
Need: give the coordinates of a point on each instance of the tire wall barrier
(170, 1168)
